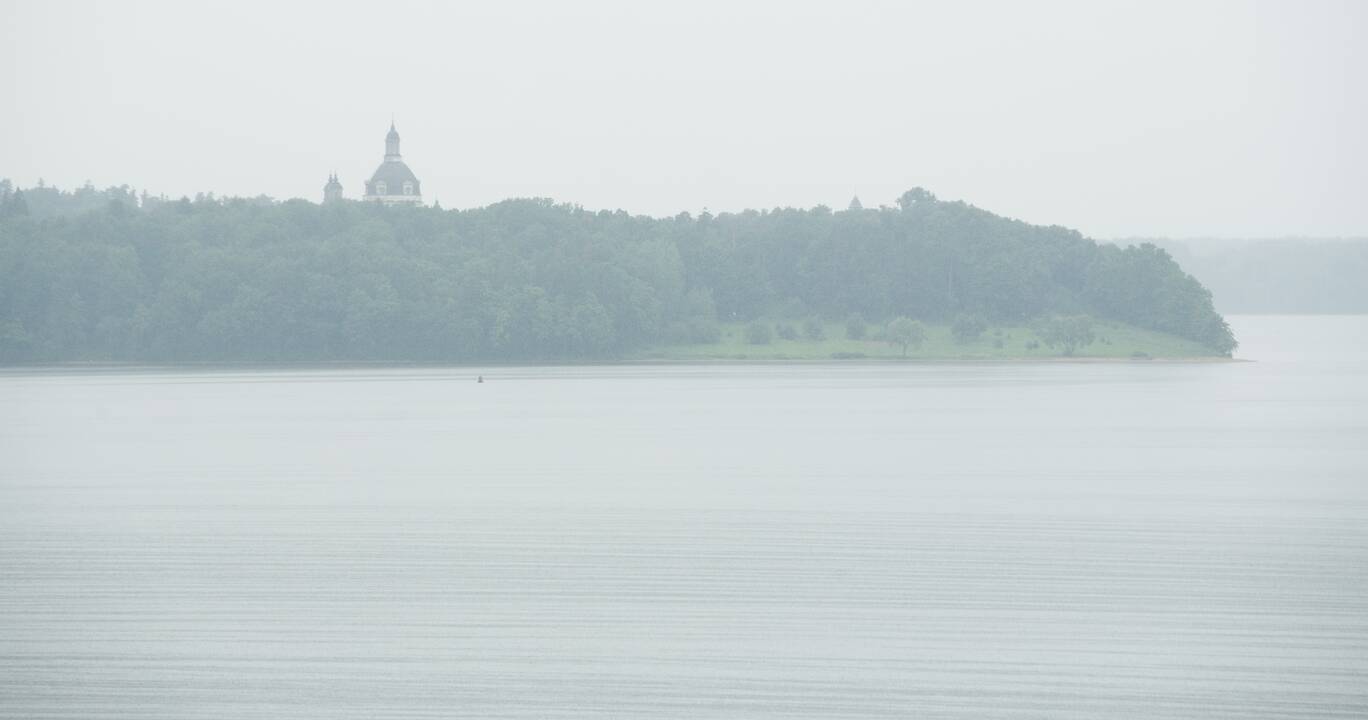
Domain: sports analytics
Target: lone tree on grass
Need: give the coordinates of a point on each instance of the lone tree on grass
(967, 328)
(813, 328)
(906, 332)
(1068, 332)
(855, 327)
(759, 333)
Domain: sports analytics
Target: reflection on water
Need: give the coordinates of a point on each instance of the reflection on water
(1103, 540)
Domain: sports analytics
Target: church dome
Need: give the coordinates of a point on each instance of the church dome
(393, 174)
(393, 182)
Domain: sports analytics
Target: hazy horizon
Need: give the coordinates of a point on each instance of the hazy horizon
(349, 456)
(1129, 119)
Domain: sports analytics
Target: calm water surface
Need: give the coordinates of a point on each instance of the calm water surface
(1037, 541)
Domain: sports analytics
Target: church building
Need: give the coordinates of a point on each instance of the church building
(393, 182)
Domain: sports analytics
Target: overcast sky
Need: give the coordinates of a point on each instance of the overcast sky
(1117, 118)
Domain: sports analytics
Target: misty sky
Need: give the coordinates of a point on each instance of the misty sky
(1122, 118)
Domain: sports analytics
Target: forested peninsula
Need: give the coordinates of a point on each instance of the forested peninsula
(107, 276)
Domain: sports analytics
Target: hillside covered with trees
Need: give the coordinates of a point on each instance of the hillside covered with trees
(103, 276)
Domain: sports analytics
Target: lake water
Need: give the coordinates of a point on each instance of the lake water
(855, 541)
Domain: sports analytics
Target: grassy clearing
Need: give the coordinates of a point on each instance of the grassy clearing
(1114, 340)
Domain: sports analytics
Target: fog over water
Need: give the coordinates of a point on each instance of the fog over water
(997, 540)
(960, 461)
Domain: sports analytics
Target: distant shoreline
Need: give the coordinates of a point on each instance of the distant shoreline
(57, 368)
(1064, 360)
(1115, 343)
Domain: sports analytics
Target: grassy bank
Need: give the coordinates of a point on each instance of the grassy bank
(1114, 340)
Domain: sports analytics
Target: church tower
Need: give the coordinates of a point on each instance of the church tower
(392, 144)
(393, 183)
(332, 192)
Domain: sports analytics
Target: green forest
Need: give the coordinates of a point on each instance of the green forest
(105, 275)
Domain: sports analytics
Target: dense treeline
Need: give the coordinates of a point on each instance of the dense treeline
(528, 280)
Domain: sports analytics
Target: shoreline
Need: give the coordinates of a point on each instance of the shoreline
(633, 362)
(949, 360)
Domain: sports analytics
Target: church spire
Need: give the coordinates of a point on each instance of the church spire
(392, 144)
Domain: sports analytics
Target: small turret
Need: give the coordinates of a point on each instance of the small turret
(332, 192)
